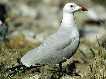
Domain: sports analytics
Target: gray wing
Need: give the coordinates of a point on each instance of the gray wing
(49, 51)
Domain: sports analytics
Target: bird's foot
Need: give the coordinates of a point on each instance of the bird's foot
(71, 69)
(61, 71)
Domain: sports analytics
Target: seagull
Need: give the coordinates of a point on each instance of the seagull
(3, 23)
(3, 31)
(60, 45)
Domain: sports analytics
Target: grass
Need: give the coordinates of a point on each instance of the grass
(96, 67)
(93, 69)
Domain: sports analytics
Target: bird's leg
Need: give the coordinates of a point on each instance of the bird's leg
(61, 72)
(71, 68)
(60, 67)
(60, 64)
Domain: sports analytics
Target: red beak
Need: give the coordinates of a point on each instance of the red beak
(83, 8)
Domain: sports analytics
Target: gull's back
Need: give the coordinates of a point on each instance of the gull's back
(59, 45)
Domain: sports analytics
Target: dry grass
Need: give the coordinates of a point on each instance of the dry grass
(94, 69)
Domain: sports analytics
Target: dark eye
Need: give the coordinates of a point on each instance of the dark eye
(71, 5)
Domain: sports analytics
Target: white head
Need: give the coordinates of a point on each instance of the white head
(72, 7)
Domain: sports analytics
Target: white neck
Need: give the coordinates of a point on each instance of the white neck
(68, 19)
